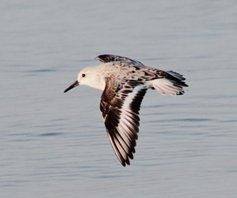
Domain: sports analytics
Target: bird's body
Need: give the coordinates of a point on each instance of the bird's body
(124, 83)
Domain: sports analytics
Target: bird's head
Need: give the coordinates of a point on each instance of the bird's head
(88, 76)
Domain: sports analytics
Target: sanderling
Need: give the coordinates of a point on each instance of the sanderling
(124, 83)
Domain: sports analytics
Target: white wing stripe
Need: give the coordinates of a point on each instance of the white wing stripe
(124, 135)
(122, 143)
(128, 100)
(115, 148)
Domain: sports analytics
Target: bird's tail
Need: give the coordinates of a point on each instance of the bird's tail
(172, 83)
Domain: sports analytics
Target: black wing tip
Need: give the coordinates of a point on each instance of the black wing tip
(180, 93)
(125, 162)
(183, 83)
(129, 156)
(106, 58)
(178, 78)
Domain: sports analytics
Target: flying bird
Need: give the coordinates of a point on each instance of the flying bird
(124, 82)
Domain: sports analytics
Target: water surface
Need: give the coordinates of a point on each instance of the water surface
(55, 145)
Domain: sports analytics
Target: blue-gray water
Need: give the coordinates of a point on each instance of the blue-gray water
(54, 144)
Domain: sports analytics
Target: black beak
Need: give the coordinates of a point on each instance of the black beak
(71, 86)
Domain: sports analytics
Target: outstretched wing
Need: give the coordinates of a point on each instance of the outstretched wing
(120, 105)
(105, 58)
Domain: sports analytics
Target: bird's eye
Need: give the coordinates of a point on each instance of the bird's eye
(83, 75)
